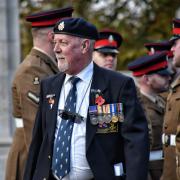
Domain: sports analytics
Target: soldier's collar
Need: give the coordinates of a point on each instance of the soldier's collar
(149, 96)
(176, 82)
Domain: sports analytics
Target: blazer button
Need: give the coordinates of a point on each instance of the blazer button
(49, 157)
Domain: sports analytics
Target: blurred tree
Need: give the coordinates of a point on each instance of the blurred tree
(139, 21)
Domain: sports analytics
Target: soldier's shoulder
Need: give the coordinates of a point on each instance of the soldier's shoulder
(116, 76)
(51, 78)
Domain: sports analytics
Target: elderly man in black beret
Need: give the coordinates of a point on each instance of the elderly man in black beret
(90, 124)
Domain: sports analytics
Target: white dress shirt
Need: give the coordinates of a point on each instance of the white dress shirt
(79, 169)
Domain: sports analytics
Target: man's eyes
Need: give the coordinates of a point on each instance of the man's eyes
(62, 43)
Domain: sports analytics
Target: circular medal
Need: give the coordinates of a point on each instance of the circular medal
(114, 119)
(107, 118)
(94, 120)
(120, 118)
(100, 119)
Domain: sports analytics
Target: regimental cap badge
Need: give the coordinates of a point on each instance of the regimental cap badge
(167, 57)
(61, 26)
(111, 39)
(152, 50)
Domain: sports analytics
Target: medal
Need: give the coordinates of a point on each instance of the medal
(105, 116)
(108, 117)
(121, 118)
(114, 119)
(100, 114)
(120, 112)
(93, 115)
(113, 110)
(94, 120)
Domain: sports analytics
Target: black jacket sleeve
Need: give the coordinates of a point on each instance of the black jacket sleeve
(35, 143)
(135, 134)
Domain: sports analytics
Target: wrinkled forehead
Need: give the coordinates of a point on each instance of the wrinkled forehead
(66, 37)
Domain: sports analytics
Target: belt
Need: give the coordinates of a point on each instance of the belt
(19, 123)
(169, 140)
(156, 155)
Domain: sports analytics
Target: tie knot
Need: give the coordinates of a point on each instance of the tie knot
(74, 80)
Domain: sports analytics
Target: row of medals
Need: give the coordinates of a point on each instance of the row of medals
(99, 117)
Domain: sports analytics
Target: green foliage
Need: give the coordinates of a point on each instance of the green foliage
(139, 21)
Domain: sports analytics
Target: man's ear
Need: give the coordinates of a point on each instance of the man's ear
(50, 36)
(85, 45)
(147, 79)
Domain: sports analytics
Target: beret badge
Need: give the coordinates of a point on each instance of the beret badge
(61, 26)
(111, 39)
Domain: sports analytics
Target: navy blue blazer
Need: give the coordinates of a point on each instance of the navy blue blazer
(129, 145)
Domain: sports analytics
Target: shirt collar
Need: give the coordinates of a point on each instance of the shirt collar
(85, 75)
(176, 82)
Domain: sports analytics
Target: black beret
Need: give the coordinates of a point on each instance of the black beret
(49, 18)
(76, 27)
(109, 41)
(156, 63)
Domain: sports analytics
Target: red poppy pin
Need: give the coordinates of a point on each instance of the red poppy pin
(99, 100)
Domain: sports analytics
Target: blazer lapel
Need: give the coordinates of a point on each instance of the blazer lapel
(98, 82)
(51, 114)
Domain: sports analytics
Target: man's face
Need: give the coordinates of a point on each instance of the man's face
(158, 82)
(68, 51)
(176, 52)
(106, 60)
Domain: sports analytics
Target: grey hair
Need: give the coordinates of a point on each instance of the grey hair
(92, 44)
